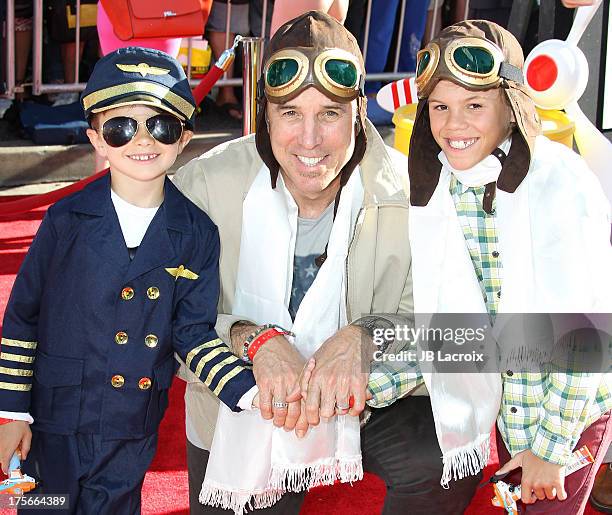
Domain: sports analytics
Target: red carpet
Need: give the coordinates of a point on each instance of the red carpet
(165, 488)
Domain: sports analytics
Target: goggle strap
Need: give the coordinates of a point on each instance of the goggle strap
(261, 87)
(510, 72)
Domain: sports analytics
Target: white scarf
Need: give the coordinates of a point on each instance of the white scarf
(465, 406)
(553, 226)
(252, 462)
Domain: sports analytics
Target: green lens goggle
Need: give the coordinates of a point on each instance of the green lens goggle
(473, 62)
(334, 71)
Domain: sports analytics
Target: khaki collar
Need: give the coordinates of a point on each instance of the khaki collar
(383, 184)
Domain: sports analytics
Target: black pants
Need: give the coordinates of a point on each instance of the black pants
(398, 444)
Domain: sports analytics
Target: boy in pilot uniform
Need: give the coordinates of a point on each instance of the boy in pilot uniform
(120, 277)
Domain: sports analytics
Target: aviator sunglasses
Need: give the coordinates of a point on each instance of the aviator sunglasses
(119, 131)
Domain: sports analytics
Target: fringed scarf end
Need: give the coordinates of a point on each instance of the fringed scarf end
(297, 479)
(237, 501)
(465, 461)
(284, 479)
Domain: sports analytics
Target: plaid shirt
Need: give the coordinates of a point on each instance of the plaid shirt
(481, 240)
(544, 412)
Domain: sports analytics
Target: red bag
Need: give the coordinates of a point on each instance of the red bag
(157, 18)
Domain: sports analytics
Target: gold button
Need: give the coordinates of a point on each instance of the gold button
(127, 293)
(151, 340)
(153, 292)
(117, 381)
(121, 338)
(144, 383)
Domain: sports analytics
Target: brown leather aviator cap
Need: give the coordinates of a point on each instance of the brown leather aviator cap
(423, 164)
(312, 50)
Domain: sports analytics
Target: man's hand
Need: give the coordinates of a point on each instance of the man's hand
(277, 367)
(341, 372)
(14, 435)
(540, 480)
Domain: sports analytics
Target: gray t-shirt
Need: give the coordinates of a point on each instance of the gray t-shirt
(312, 236)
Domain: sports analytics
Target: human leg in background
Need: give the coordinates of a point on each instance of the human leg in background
(256, 14)
(434, 21)
(23, 45)
(415, 20)
(285, 10)
(69, 61)
(497, 11)
(215, 33)
(382, 21)
(399, 444)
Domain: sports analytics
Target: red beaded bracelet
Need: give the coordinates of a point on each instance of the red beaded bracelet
(5, 421)
(263, 338)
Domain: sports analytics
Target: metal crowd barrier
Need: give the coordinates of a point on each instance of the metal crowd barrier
(39, 87)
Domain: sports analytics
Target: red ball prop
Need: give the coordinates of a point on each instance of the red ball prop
(542, 72)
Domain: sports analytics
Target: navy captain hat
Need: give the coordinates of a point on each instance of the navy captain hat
(136, 75)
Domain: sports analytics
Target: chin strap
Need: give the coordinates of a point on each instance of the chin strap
(490, 189)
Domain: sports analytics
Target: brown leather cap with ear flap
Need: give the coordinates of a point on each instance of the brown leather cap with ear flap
(423, 164)
(319, 31)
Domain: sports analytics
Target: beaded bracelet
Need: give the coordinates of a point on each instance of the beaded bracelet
(249, 340)
(254, 342)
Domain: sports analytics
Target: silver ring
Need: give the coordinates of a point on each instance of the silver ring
(342, 408)
(279, 404)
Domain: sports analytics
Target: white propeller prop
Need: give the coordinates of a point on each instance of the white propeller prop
(397, 94)
(556, 74)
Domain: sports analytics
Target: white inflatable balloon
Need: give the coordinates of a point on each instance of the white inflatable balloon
(556, 74)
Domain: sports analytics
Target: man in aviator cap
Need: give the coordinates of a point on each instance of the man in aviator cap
(313, 218)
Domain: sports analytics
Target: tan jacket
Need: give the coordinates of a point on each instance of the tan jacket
(378, 265)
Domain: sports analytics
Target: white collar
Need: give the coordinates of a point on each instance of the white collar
(480, 174)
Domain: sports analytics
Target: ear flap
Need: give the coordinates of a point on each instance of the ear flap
(423, 163)
(361, 142)
(528, 127)
(262, 141)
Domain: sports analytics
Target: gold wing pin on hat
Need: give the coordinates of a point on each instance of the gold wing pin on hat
(143, 68)
(181, 271)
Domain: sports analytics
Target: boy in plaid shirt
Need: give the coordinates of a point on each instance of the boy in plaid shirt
(506, 221)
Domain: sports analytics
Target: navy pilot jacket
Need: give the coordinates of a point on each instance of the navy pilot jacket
(89, 335)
